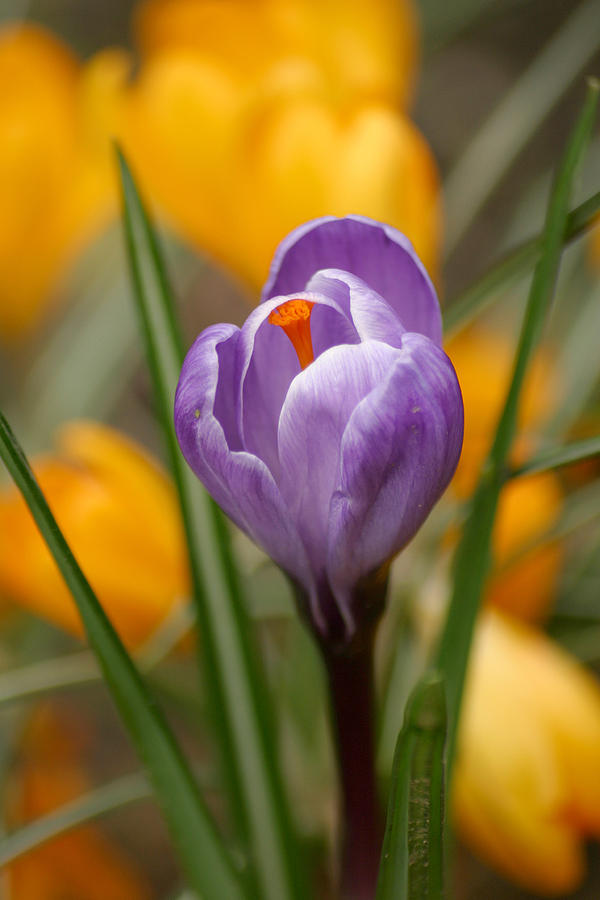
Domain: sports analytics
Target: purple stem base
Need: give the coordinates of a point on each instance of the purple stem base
(352, 699)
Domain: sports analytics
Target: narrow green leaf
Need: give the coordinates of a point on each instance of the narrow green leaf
(105, 799)
(35, 679)
(86, 808)
(472, 557)
(412, 856)
(235, 683)
(511, 124)
(462, 309)
(203, 856)
(79, 669)
(555, 457)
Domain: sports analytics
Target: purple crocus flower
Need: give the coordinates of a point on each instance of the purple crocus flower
(329, 424)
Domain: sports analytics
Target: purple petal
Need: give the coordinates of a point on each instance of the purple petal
(267, 364)
(371, 315)
(398, 453)
(240, 482)
(378, 254)
(313, 419)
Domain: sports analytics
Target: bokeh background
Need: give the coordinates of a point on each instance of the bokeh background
(493, 87)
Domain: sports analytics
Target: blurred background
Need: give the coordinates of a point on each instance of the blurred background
(241, 120)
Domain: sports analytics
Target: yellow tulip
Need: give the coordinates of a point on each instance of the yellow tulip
(526, 790)
(83, 863)
(364, 50)
(56, 181)
(118, 512)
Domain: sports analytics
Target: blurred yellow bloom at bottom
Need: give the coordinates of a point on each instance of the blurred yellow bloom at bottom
(527, 781)
(82, 864)
(118, 512)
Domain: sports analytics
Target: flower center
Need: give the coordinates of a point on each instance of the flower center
(294, 317)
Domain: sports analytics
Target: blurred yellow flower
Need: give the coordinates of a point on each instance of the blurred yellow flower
(262, 172)
(244, 120)
(82, 864)
(527, 782)
(483, 360)
(362, 50)
(525, 564)
(247, 119)
(118, 512)
(56, 180)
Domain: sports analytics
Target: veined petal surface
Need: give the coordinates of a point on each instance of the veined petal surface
(378, 254)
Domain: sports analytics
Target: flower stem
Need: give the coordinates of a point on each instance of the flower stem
(350, 677)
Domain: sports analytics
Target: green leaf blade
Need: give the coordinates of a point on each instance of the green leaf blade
(235, 681)
(462, 309)
(556, 457)
(202, 853)
(471, 561)
(412, 864)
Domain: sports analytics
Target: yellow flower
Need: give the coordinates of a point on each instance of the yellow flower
(527, 782)
(483, 359)
(247, 119)
(118, 512)
(56, 181)
(267, 168)
(83, 864)
(364, 50)
(526, 565)
(244, 120)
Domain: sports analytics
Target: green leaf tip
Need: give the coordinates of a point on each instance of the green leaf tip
(426, 706)
(412, 863)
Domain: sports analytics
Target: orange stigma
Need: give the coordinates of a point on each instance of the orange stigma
(294, 317)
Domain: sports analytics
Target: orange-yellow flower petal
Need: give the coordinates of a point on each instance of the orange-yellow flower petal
(364, 50)
(267, 169)
(310, 159)
(525, 573)
(56, 183)
(82, 864)
(527, 782)
(526, 564)
(483, 362)
(118, 512)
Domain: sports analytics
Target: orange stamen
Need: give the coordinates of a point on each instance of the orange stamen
(294, 317)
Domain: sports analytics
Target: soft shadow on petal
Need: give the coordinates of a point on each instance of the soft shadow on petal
(378, 254)
(266, 365)
(240, 482)
(371, 315)
(398, 453)
(313, 419)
